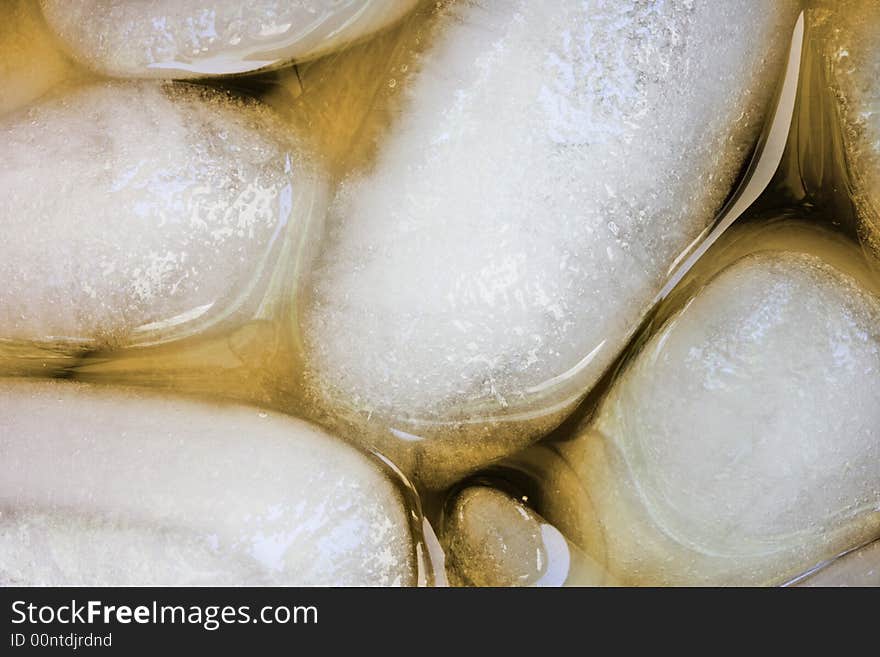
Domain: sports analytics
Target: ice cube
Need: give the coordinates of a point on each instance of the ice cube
(493, 539)
(847, 33)
(117, 486)
(741, 445)
(199, 38)
(31, 62)
(548, 166)
(142, 212)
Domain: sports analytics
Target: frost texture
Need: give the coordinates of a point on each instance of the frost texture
(30, 59)
(743, 442)
(551, 162)
(114, 486)
(196, 38)
(136, 210)
(850, 35)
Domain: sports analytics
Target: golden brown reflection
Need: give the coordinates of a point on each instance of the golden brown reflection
(577, 512)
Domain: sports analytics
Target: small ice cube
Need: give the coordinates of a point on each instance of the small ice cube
(550, 162)
(200, 38)
(107, 486)
(493, 539)
(140, 212)
(847, 33)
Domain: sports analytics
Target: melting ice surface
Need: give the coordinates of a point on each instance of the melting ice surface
(550, 163)
(858, 568)
(134, 212)
(741, 445)
(31, 61)
(848, 31)
(103, 486)
(198, 38)
(493, 539)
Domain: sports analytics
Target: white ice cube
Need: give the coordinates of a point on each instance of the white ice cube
(140, 212)
(741, 445)
(199, 38)
(105, 486)
(550, 162)
(31, 61)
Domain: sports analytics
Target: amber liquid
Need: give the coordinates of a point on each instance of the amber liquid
(348, 101)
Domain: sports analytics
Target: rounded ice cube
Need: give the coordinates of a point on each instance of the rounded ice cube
(117, 486)
(548, 165)
(142, 212)
(741, 444)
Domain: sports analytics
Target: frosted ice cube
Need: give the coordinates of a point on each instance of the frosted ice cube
(741, 445)
(140, 212)
(198, 38)
(31, 62)
(848, 34)
(548, 166)
(116, 486)
(493, 539)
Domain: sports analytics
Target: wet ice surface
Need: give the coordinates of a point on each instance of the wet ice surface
(196, 38)
(741, 445)
(116, 486)
(494, 539)
(138, 212)
(547, 168)
(848, 32)
(521, 214)
(859, 568)
(31, 61)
